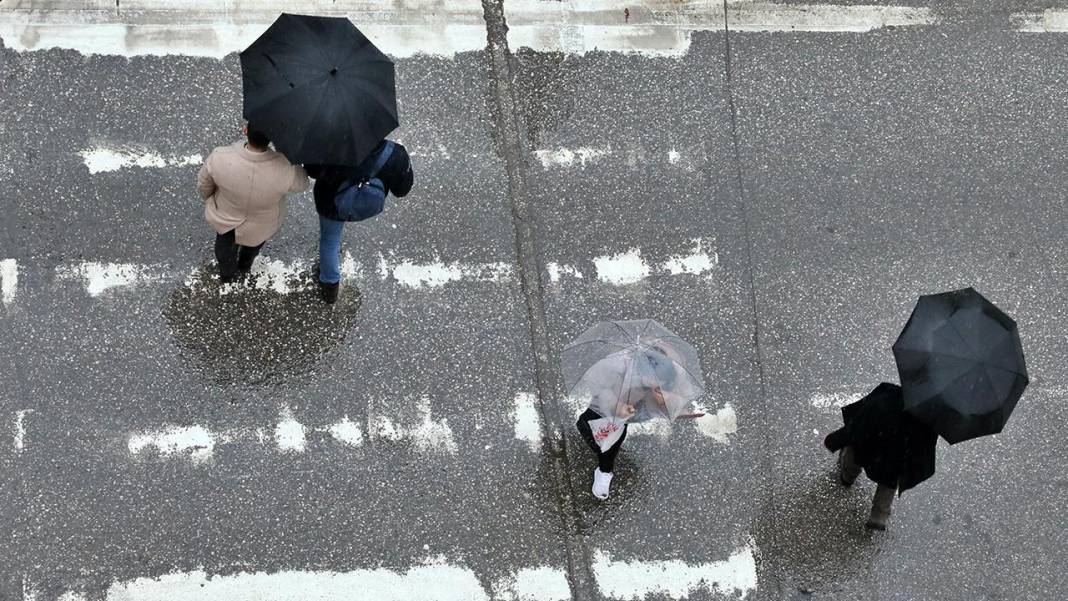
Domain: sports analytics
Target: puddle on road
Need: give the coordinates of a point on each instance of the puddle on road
(251, 334)
(813, 539)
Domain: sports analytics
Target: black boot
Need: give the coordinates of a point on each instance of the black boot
(329, 292)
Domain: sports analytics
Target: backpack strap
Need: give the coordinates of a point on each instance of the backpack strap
(382, 158)
(380, 162)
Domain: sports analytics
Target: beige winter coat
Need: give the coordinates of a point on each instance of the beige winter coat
(246, 191)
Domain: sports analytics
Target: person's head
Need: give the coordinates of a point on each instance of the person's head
(256, 138)
(662, 369)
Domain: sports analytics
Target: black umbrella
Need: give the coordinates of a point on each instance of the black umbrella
(319, 89)
(961, 365)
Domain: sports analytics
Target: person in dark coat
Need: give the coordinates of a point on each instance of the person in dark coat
(896, 450)
(397, 177)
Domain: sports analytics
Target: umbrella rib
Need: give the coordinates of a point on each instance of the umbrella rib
(621, 329)
(575, 344)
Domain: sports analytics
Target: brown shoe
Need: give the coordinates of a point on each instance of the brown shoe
(329, 292)
(878, 520)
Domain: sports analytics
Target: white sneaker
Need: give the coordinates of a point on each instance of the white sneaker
(601, 482)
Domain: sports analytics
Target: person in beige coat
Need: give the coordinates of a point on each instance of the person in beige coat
(244, 187)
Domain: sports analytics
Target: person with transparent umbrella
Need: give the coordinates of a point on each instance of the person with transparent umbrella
(628, 372)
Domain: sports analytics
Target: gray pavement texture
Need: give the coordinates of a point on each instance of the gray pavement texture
(836, 177)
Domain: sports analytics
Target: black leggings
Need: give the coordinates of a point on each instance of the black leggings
(606, 460)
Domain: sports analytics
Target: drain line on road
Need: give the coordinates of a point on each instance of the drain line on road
(512, 147)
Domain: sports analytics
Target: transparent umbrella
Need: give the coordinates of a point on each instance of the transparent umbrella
(632, 371)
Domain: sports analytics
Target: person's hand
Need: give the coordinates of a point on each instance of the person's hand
(625, 411)
(658, 396)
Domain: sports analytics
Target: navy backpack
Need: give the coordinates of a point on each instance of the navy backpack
(363, 198)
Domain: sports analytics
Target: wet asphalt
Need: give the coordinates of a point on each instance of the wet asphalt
(835, 177)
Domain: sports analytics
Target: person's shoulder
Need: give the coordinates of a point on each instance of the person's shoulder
(399, 149)
(280, 159)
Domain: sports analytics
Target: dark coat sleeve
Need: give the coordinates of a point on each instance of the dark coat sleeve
(397, 174)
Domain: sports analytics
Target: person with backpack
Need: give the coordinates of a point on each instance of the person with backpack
(353, 194)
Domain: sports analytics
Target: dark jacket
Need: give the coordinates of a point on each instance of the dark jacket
(396, 174)
(894, 448)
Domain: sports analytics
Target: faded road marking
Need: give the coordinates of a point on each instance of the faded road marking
(1052, 20)
(436, 274)
(628, 267)
(20, 429)
(718, 425)
(106, 160)
(9, 280)
(196, 442)
(427, 435)
(434, 580)
(735, 575)
(100, 277)
(832, 400)
(208, 28)
(437, 27)
(527, 420)
(665, 27)
(289, 433)
(568, 157)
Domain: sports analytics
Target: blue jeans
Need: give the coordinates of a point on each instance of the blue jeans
(330, 250)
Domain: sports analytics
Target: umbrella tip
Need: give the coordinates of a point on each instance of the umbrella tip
(333, 71)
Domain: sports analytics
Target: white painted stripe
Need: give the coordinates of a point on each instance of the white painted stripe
(718, 425)
(195, 442)
(434, 275)
(428, 435)
(208, 28)
(527, 420)
(833, 400)
(435, 27)
(628, 267)
(624, 268)
(638, 579)
(556, 271)
(105, 160)
(9, 280)
(289, 434)
(289, 277)
(100, 277)
(570, 157)
(533, 584)
(698, 262)
(665, 27)
(434, 580)
(347, 432)
(1052, 20)
(825, 17)
(20, 429)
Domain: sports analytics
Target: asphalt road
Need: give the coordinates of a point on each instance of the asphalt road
(778, 199)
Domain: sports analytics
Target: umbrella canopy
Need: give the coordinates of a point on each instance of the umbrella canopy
(633, 371)
(961, 365)
(320, 90)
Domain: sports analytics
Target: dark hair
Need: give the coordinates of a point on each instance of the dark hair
(257, 138)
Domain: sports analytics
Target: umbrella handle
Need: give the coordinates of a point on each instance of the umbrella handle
(690, 415)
